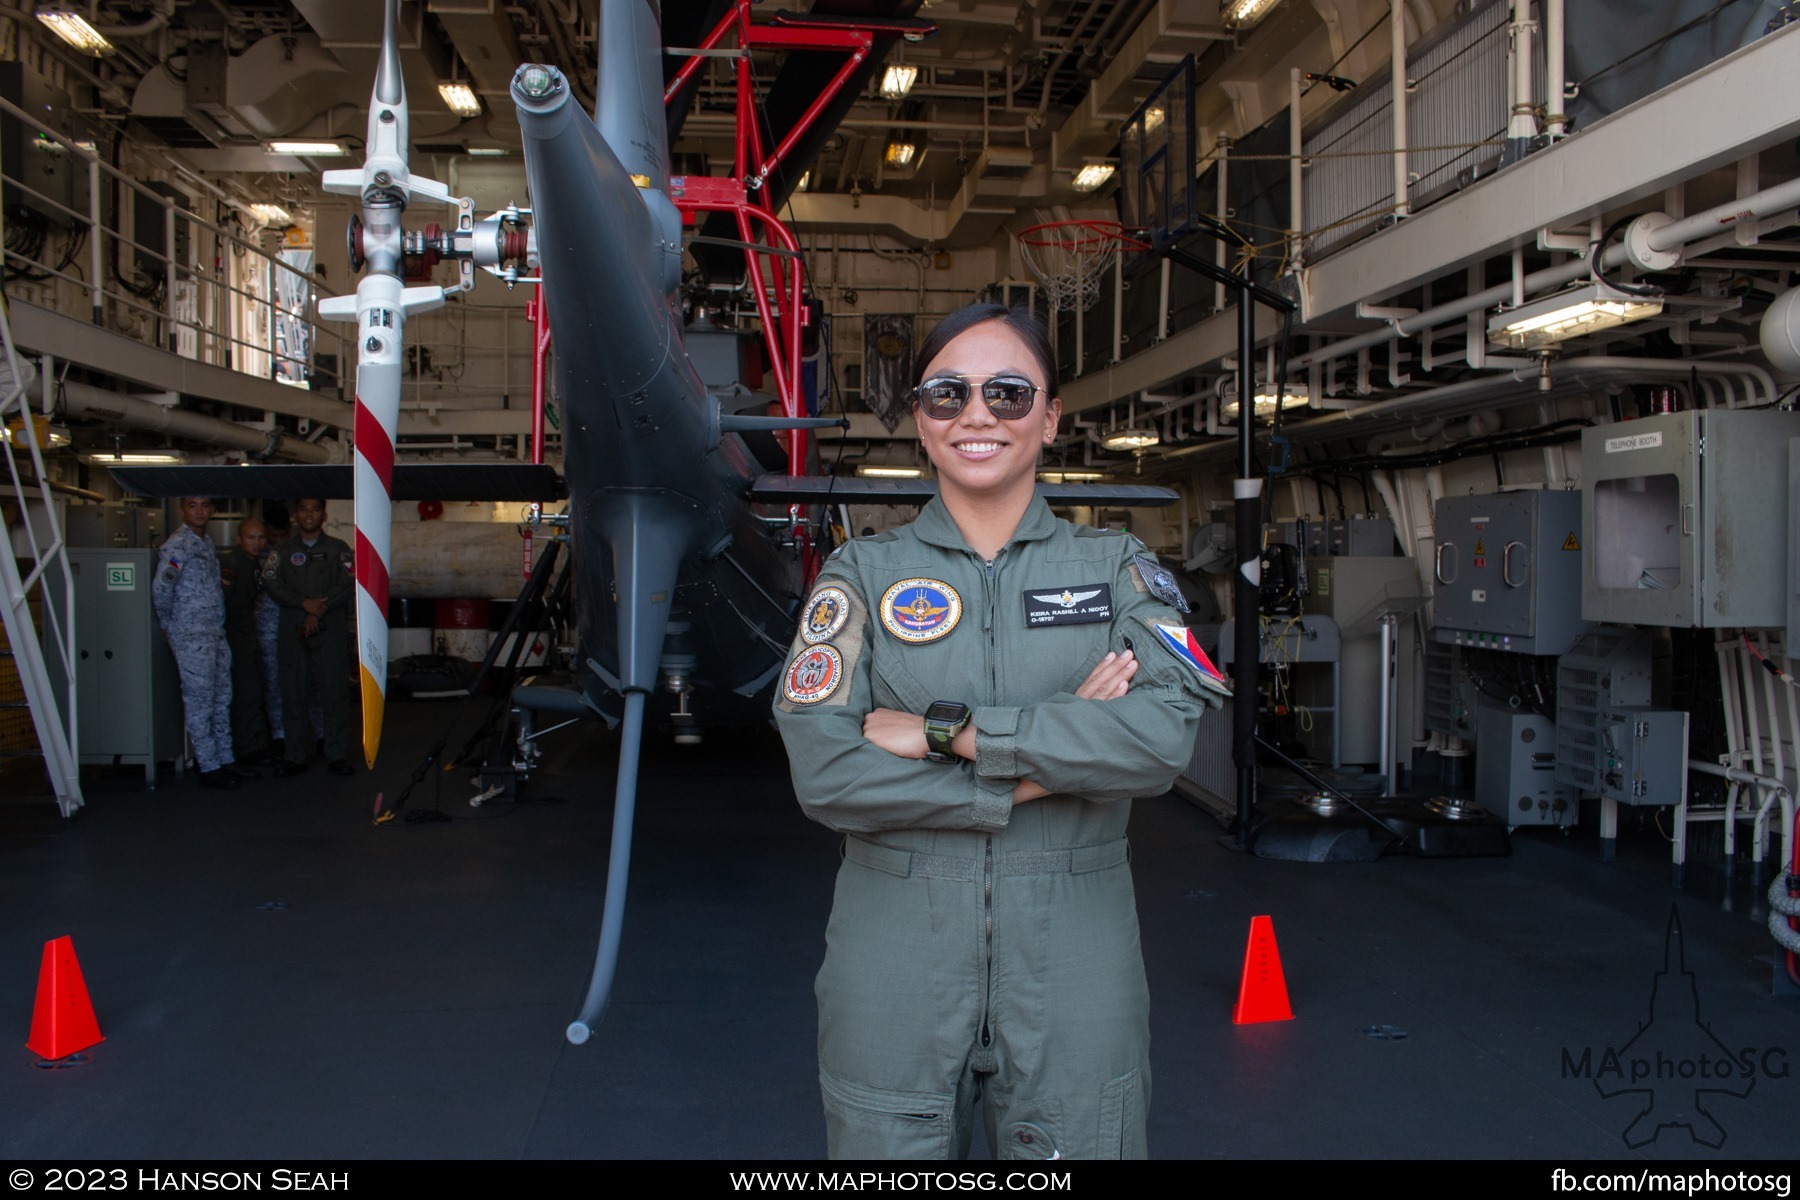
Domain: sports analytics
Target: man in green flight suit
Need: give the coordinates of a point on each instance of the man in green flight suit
(310, 577)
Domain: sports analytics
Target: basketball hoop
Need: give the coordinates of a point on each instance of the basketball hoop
(1069, 258)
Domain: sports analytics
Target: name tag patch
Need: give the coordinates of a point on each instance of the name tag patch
(1080, 604)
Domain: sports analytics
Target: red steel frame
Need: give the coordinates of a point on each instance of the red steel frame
(779, 293)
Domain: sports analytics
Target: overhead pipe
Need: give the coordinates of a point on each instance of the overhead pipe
(85, 400)
(1652, 232)
(1556, 122)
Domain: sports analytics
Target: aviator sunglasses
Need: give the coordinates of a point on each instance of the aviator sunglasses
(1008, 397)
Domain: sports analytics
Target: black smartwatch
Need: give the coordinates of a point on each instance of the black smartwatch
(943, 721)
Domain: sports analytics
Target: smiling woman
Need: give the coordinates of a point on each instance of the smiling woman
(974, 699)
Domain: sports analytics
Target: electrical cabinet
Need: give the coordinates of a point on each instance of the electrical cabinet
(1515, 768)
(1508, 571)
(115, 525)
(1686, 519)
(1360, 537)
(1644, 755)
(127, 688)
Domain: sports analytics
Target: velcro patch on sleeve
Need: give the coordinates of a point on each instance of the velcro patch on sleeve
(1179, 641)
(827, 646)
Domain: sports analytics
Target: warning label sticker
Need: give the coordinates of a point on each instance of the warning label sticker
(1569, 543)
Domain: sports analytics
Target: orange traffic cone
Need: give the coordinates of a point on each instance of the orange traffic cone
(1262, 993)
(63, 1022)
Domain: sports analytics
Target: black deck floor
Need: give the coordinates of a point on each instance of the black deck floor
(276, 976)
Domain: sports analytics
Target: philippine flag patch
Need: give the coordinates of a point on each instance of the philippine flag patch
(1179, 641)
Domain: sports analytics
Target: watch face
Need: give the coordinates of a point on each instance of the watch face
(945, 710)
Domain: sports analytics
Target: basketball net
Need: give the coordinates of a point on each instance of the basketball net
(1070, 258)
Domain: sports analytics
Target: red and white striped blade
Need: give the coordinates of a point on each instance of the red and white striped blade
(377, 414)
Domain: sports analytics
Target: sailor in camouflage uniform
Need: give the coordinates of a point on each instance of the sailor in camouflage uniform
(190, 606)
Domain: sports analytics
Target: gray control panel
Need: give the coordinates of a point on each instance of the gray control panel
(1508, 571)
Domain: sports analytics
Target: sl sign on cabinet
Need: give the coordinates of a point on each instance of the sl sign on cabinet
(121, 577)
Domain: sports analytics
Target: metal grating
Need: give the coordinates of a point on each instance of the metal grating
(1457, 102)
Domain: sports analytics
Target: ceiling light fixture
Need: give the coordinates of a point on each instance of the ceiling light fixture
(460, 98)
(1264, 403)
(307, 149)
(898, 80)
(488, 152)
(271, 214)
(1071, 476)
(899, 154)
(805, 183)
(1093, 176)
(49, 437)
(1571, 314)
(132, 458)
(875, 472)
(1241, 14)
(74, 29)
(1130, 439)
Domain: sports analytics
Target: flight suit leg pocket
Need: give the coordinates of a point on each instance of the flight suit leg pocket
(864, 1122)
(1124, 1112)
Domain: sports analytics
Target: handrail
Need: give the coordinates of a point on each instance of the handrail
(225, 315)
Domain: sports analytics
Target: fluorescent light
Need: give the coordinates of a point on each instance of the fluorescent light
(1240, 13)
(488, 151)
(308, 149)
(805, 181)
(900, 153)
(1071, 476)
(869, 472)
(133, 458)
(1093, 176)
(1570, 314)
(1264, 404)
(271, 214)
(897, 80)
(71, 28)
(460, 98)
(1130, 439)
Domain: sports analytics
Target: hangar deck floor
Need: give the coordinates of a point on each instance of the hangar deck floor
(276, 978)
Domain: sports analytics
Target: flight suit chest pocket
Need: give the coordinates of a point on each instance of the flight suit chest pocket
(1054, 655)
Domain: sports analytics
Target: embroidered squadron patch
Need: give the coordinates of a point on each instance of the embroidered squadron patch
(1179, 640)
(298, 558)
(1160, 581)
(813, 675)
(920, 610)
(826, 614)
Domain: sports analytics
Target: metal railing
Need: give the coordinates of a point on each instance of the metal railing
(82, 238)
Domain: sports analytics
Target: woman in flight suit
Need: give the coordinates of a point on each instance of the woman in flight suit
(974, 699)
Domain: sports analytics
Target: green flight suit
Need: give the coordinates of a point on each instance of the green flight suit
(241, 577)
(297, 572)
(976, 947)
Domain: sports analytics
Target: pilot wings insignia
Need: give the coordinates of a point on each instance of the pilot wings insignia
(1067, 598)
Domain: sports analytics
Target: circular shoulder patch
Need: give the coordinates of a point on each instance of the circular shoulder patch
(920, 610)
(814, 674)
(826, 613)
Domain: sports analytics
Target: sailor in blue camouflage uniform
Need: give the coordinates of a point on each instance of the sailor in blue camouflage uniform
(973, 700)
(190, 606)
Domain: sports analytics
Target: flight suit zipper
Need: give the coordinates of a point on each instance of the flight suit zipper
(987, 856)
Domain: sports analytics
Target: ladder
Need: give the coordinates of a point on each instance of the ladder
(50, 567)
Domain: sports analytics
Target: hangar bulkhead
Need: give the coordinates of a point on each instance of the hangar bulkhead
(1443, 353)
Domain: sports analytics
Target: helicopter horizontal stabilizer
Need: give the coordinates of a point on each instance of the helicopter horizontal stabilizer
(412, 481)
